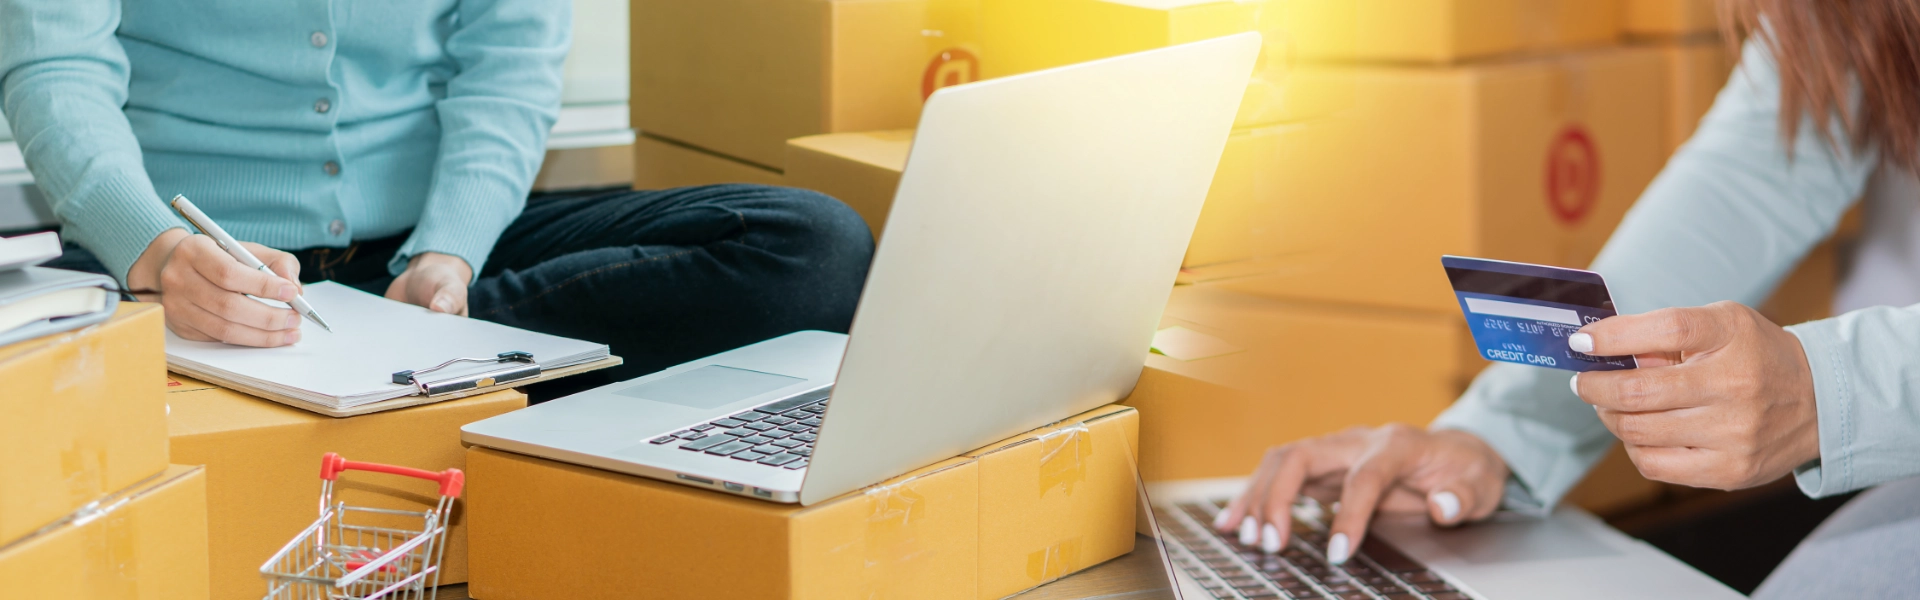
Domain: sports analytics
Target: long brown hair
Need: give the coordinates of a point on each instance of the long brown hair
(1824, 49)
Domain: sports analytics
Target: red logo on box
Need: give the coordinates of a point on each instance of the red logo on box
(950, 67)
(1573, 175)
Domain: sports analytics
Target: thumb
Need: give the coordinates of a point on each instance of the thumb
(1668, 330)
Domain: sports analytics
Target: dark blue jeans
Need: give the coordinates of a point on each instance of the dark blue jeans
(661, 276)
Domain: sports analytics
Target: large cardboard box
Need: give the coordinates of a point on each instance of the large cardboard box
(544, 529)
(861, 169)
(81, 415)
(263, 458)
(1696, 71)
(146, 542)
(1004, 518)
(1057, 500)
(1287, 371)
(1669, 18)
(660, 164)
(1548, 25)
(741, 77)
(1532, 160)
(1021, 36)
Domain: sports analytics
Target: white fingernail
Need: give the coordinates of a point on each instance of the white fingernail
(1221, 520)
(1574, 384)
(1449, 504)
(1249, 532)
(1337, 551)
(1270, 539)
(1580, 342)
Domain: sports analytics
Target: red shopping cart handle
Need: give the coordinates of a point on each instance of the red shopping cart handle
(450, 480)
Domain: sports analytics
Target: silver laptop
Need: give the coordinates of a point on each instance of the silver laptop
(1031, 245)
(1569, 554)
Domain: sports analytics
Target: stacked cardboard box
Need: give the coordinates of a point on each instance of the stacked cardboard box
(262, 484)
(990, 523)
(89, 507)
(733, 80)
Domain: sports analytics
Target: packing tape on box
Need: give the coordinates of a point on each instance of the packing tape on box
(82, 363)
(112, 541)
(892, 512)
(1063, 457)
(1054, 562)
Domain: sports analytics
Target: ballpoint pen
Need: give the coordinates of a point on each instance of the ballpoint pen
(239, 252)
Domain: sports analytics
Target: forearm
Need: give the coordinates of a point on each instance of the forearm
(494, 120)
(1865, 368)
(63, 79)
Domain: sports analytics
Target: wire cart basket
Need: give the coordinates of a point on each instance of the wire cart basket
(360, 553)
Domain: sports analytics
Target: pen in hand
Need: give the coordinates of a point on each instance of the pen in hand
(239, 252)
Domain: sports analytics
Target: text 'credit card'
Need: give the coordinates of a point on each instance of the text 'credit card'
(1522, 313)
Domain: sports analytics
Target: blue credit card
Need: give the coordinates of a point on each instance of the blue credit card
(1522, 313)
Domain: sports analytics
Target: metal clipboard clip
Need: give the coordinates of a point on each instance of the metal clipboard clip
(520, 366)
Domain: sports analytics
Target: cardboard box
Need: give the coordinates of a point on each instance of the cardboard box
(660, 164)
(263, 458)
(1549, 25)
(1057, 500)
(1696, 71)
(741, 77)
(544, 529)
(1287, 371)
(1531, 160)
(861, 169)
(1669, 18)
(1021, 36)
(582, 168)
(81, 416)
(147, 542)
(1419, 31)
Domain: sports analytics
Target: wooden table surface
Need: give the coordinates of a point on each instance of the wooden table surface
(1139, 575)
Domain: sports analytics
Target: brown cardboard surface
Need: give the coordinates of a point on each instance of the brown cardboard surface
(1057, 500)
(1531, 160)
(741, 77)
(263, 460)
(543, 529)
(1548, 25)
(1696, 70)
(1807, 292)
(1304, 370)
(660, 164)
(861, 169)
(1666, 18)
(1417, 31)
(147, 542)
(81, 415)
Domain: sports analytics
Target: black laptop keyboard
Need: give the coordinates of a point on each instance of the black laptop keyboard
(780, 434)
(1228, 569)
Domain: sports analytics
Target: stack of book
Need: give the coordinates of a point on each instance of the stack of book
(37, 301)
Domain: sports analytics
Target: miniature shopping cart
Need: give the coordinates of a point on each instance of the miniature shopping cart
(358, 553)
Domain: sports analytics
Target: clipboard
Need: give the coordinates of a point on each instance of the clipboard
(406, 401)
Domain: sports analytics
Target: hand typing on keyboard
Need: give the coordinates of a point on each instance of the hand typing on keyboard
(1453, 476)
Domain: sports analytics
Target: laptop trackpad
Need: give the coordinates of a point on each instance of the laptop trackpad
(711, 386)
(1504, 542)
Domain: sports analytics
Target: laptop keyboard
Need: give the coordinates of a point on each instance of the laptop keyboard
(1228, 569)
(779, 435)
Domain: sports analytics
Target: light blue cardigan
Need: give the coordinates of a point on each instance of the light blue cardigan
(295, 123)
(1726, 220)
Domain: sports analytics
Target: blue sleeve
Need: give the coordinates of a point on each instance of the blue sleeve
(1866, 380)
(63, 81)
(494, 122)
(1726, 219)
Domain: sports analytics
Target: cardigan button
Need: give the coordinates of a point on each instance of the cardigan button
(337, 227)
(319, 39)
(332, 168)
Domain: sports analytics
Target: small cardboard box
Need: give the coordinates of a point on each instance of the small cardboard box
(861, 169)
(1669, 18)
(82, 415)
(1021, 36)
(1696, 70)
(543, 529)
(659, 164)
(262, 458)
(1532, 160)
(1057, 500)
(1282, 371)
(1548, 25)
(146, 542)
(741, 77)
